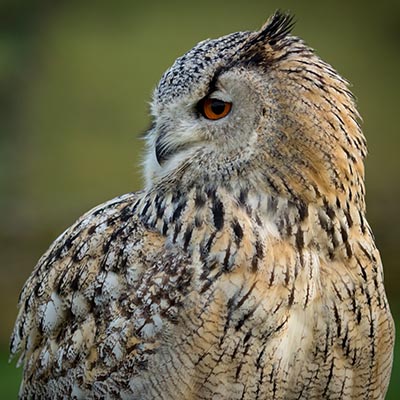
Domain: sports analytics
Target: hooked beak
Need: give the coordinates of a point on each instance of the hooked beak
(166, 147)
(163, 149)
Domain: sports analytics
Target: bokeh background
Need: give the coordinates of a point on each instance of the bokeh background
(75, 81)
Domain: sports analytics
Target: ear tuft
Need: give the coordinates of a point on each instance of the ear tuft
(276, 28)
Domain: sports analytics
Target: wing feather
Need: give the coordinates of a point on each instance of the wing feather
(85, 280)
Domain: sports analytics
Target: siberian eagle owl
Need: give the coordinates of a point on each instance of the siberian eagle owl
(245, 269)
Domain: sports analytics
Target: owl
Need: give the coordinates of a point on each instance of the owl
(245, 269)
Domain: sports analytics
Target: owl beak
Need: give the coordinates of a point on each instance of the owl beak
(163, 149)
(170, 142)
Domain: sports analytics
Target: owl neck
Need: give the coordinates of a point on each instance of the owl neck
(338, 183)
(203, 214)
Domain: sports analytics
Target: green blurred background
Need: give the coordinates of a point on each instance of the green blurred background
(75, 81)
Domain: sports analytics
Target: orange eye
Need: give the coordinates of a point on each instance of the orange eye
(214, 109)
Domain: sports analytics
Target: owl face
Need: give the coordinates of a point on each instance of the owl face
(199, 108)
(208, 126)
(256, 108)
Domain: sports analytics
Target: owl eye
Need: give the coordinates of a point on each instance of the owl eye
(214, 108)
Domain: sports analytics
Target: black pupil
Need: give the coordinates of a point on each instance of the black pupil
(217, 106)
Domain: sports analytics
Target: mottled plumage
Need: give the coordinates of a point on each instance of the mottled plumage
(245, 269)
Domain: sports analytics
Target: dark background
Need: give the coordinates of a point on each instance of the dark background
(75, 81)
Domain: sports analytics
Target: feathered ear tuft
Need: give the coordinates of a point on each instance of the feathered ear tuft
(276, 28)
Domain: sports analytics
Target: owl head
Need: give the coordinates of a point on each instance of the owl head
(257, 110)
